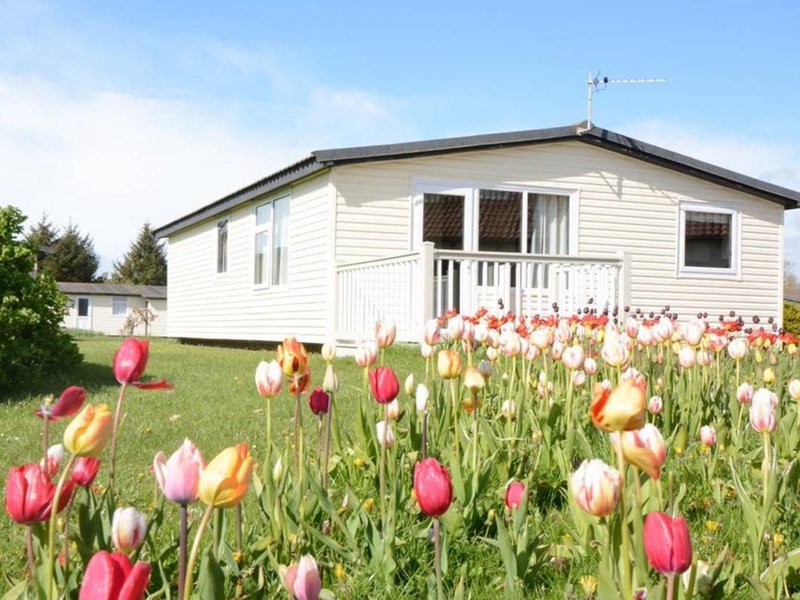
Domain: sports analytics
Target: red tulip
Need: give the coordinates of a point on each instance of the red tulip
(667, 543)
(84, 471)
(384, 384)
(300, 383)
(29, 494)
(432, 487)
(68, 404)
(319, 402)
(130, 361)
(111, 576)
(515, 492)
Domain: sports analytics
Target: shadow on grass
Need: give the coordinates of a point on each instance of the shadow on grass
(88, 375)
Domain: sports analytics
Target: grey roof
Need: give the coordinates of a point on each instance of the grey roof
(792, 298)
(604, 138)
(153, 292)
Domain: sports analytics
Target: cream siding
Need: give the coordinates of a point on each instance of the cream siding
(204, 304)
(624, 205)
(102, 319)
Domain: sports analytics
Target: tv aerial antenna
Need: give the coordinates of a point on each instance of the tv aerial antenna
(596, 83)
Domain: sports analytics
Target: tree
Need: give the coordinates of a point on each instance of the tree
(73, 257)
(44, 233)
(31, 311)
(145, 263)
(791, 282)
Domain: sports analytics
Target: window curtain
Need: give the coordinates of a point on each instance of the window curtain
(548, 224)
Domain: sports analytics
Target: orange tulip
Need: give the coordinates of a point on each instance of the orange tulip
(225, 480)
(89, 432)
(449, 364)
(644, 449)
(300, 384)
(621, 409)
(292, 357)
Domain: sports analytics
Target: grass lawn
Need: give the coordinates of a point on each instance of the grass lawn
(214, 403)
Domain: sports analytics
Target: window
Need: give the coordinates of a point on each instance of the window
(222, 246)
(119, 306)
(709, 240)
(272, 242)
(83, 307)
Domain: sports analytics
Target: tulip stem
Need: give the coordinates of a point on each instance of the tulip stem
(327, 445)
(187, 590)
(297, 434)
(671, 586)
(455, 416)
(239, 519)
(269, 431)
(66, 536)
(29, 548)
(767, 465)
(184, 533)
(46, 436)
(114, 431)
(424, 442)
(51, 532)
(382, 469)
(625, 550)
(437, 548)
(475, 434)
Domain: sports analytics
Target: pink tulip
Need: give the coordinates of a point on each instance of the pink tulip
(302, 580)
(738, 348)
(68, 404)
(578, 378)
(111, 576)
(655, 405)
(384, 433)
(385, 334)
(430, 333)
(128, 528)
(708, 436)
(664, 329)
(179, 476)
(269, 378)
(596, 487)
(515, 492)
(632, 328)
(573, 357)
(55, 455)
(542, 337)
(762, 412)
(794, 389)
(455, 327)
(84, 470)
(687, 357)
(130, 361)
(384, 384)
(645, 336)
(366, 354)
(590, 366)
(744, 393)
(432, 487)
(667, 543)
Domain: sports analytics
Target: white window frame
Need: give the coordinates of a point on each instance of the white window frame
(269, 230)
(115, 301)
(224, 267)
(735, 212)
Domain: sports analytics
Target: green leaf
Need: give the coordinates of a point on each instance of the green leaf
(211, 580)
(508, 555)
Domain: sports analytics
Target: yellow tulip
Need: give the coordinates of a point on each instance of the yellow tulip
(449, 364)
(89, 432)
(225, 480)
(473, 380)
(622, 409)
(768, 376)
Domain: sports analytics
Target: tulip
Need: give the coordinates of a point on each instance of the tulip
(491, 354)
(737, 348)
(643, 448)
(621, 409)
(29, 494)
(655, 405)
(269, 378)
(421, 397)
(573, 357)
(693, 332)
(515, 492)
(432, 487)
(430, 333)
(449, 364)
(667, 543)
(384, 384)
(385, 334)
(67, 405)
(385, 434)
(393, 410)
(768, 376)
(564, 331)
(330, 383)
(277, 471)
(686, 357)
(303, 580)
(596, 487)
(510, 344)
(128, 528)
(744, 393)
(766, 396)
(425, 350)
(328, 352)
(469, 331)
(708, 436)
(614, 351)
(645, 336)
(455, 327)
(556, 350)
(590, 366)
(292, 357)
(366, 354)
(179, 476)
(224, 482)
(762, 412)
(89, 432)
(542, 337)
(578, 378)
(130, 360)
(794, 389)
(408, 385)
(704, 358)
(632, 327)
(84, 471)
(664, 329)
(111, 576)
(300, 383)
(473, 380)
(55, 456)
(486, 369)
(319, 402)
(508, 409)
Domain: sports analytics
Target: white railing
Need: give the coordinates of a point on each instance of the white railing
(410, 288)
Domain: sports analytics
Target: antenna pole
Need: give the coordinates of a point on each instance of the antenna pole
(590, 91)
(592, 82)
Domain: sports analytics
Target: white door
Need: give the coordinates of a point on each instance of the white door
(83, 314)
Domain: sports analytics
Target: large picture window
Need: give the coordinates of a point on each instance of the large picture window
(708, 240)
(272, 242)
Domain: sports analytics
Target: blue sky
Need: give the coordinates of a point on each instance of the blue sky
(117, 112)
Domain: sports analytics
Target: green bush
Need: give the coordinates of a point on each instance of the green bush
(791, 317)
(31, 311)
